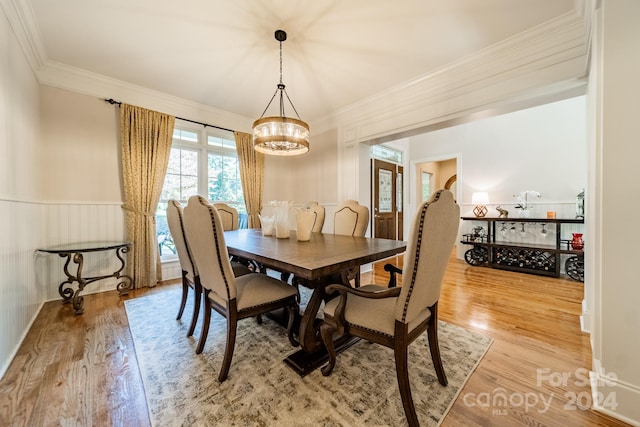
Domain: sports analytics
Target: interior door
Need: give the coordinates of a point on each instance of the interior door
(385, 199)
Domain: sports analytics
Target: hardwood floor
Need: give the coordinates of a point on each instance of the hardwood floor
(82, 370)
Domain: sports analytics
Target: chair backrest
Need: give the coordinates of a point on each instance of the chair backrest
(431, 238)
(319, 211)
(175, 220)
(229, 215)
(351, 219)
(205, 235)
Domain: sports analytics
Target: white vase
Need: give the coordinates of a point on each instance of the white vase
(282, 225)
(267, 224)
(304, 224)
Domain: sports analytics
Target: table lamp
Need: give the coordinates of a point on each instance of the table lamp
(480, 199)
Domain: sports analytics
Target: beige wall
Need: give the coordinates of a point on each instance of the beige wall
(80, 148)
(312, 176)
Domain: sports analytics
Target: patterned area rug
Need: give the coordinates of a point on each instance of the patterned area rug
(261, 390)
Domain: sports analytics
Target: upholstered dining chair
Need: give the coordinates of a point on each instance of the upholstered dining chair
(351, 219)
(231, 221)
(319, 211)
(189, 275)
(234, 298)
(395, 317)
(190, 278)
(229, 215)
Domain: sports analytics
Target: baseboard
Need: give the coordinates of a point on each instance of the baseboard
(613, 397)
(5, 367)
(585, 318)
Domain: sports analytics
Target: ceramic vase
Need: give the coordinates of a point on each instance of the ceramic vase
(304, 224)
(282, 226)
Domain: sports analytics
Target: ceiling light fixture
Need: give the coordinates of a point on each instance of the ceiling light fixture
(280, 135)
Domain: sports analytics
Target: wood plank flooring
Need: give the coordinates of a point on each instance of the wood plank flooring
(82, 370)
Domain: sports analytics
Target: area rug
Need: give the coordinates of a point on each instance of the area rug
(181, 387)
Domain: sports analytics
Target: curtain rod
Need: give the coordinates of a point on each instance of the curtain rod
(113, 101)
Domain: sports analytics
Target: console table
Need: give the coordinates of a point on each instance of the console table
(75, 252)
(491, 249)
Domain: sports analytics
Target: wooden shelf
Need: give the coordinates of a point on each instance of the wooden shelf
(527, 257)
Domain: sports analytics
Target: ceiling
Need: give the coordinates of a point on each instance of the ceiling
(223, 53)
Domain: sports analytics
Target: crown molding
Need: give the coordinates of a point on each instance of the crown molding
(74, 79)
(552, 56)
(23, 23)
(548, 61)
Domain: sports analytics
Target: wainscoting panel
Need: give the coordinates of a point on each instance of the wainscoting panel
(69, 223)
(21, 295)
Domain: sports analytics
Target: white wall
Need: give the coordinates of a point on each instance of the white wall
(541, 148)
(21, 217)
(616, 323)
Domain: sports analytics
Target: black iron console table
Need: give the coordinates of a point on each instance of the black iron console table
(75, 251)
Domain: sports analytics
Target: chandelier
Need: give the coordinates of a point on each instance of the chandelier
(280, 135)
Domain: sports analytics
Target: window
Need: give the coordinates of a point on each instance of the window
(388, 154)
(426, 185)
(202, 161)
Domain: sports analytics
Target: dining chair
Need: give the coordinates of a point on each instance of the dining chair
(229, 215)
(234, 298)
(189, 275)
(231, 221)
(319, 211)
(351, 219)
(395, 317)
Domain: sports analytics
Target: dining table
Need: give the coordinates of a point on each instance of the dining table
(313, 264)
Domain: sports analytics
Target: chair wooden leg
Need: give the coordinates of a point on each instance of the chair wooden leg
(205, 323)
(326, 332)
(402, 372)
(432, 334)
(183, 302)
(197, 297)
(232, 325)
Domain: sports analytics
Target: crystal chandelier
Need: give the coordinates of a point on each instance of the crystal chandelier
(280, 135)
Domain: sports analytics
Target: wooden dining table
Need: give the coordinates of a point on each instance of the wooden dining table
(313, 264)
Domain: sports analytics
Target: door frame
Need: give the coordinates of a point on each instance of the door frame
(414, 186)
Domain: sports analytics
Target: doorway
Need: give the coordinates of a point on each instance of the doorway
(436, 175)
(387, 197)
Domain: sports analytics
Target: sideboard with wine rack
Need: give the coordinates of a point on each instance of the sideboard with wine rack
(529, 245)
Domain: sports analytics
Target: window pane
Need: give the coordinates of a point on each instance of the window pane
(165, 241)
(185, 135)
(189, 163)
(386, 153)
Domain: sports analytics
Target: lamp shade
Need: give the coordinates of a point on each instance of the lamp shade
(281, 136)
(480, 198)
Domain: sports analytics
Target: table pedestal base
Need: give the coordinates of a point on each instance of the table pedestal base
(303, 362)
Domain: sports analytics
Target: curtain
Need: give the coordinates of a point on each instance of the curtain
(251, 175)
(145, 147)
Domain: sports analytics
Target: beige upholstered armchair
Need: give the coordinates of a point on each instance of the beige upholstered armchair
(395, 317)
(319, 211)
(235, 298)
(351, 219)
